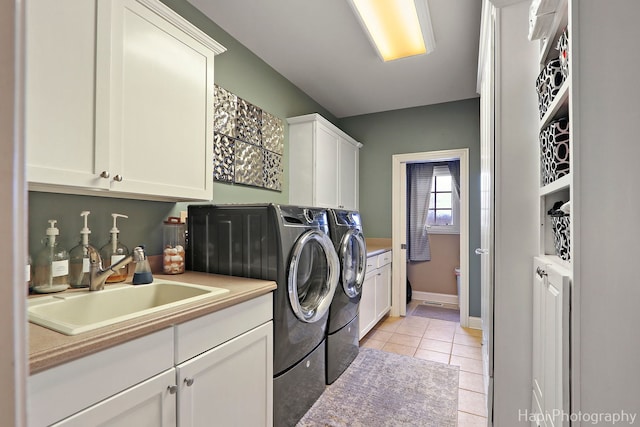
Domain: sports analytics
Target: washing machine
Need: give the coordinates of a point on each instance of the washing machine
(345, 229)
(291, 246)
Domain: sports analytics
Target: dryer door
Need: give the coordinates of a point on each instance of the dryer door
(313, 275)
(353, 258)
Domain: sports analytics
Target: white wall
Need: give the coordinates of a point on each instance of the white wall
(606, 128)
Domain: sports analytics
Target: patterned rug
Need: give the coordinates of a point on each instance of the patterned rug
(388, 389)
(436, 312)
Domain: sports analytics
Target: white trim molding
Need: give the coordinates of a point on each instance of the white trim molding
(399, 228)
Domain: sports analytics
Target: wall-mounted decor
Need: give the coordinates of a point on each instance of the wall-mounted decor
(248, 143)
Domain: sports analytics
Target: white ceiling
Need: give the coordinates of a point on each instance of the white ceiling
(320, 47)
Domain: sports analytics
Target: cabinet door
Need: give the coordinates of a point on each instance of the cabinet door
(367, 307)
(383, 291)
(149, 403)
(326, 168)
(154, 103)
(60, 94)
(230, 385)
(348, 176)
(555, 392)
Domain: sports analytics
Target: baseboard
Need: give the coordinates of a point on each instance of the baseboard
(434, 297)
(475, 322)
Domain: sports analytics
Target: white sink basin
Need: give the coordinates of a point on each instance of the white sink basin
(78, 312)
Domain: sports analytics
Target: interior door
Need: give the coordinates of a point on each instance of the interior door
(487, 214)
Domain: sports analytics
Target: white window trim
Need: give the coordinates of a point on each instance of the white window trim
(447, 229)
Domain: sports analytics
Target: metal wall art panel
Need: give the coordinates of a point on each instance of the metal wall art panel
(249, 164)
(226, 112)
(249, 123)
(272, 173)
(272, 133)
(248, 143)
(223, 157)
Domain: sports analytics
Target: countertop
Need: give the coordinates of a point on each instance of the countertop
(377, 245)
(48, 348)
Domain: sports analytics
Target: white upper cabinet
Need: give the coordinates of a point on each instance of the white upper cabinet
(323, 164)
(121, 103)
(60, 94)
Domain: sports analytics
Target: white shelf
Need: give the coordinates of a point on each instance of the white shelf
(557, 185)
(559, 107)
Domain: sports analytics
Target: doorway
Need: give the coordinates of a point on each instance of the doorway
(399, 226)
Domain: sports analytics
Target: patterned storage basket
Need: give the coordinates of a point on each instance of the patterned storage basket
(563, 48)
(554, 151)
(561, 236)
(548, 84)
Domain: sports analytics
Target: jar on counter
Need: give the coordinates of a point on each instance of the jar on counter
(173, 238)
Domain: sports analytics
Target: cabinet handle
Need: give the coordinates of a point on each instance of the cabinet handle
(541, 272)
(105, 174)
(480, 251)
(188, 382)
(118, 178)
(173, 389)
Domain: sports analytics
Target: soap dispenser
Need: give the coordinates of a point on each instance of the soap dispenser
(51, 264)
(79, 258)
(114, 251)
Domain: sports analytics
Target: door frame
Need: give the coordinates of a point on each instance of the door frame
(399, 226)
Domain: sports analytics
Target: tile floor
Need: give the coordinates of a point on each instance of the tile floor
(439, 341)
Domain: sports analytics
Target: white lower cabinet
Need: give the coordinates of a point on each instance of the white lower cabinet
(149, 403)
(550, 400)
(230, 384)
(376, 292)
(213, 370)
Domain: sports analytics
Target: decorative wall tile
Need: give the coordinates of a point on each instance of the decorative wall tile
(226, 109)
(249, 164)
(223, 158)
(249, 123)
(272, 173)
(248, 143)
(272, 133)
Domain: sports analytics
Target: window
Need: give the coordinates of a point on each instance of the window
(443, 203)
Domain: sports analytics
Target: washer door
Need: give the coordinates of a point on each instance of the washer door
(353, 258)
(313, 275)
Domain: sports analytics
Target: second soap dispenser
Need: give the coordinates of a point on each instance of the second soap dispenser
(114, 251)
(79, 258)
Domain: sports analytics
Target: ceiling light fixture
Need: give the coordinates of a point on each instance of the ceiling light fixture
(397, 28)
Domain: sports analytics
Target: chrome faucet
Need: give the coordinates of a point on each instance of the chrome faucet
(98, 276)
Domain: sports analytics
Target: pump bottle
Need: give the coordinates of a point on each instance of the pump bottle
(51, 264)
(114, 251)
(79, 258)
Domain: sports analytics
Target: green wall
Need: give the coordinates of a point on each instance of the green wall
(429, 128)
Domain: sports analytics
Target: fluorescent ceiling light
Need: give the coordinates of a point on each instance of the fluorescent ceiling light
(397, 28)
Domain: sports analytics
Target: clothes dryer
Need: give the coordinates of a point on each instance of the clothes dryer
(291, 246)
(345, 228)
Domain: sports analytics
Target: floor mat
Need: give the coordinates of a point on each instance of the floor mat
(437, 312)
(388, 389)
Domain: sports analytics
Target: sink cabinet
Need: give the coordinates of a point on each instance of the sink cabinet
(119, 100)
(216, 367)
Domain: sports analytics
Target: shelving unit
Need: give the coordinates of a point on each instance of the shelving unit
(560, 189)
(553, 276)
